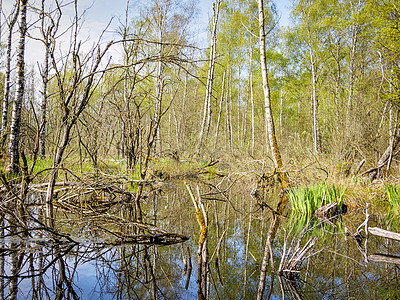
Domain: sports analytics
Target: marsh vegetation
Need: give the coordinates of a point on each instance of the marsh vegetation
(145, 166)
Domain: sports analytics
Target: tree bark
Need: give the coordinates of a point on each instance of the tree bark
(43, 107)
(275, 153)
(252, 103)
(7, 81)
(353, 48)
(205, 125)
(219, 112)
(374, 172)
(228, 114)
(384, 233)
(337, 86)
(389, 259)
(269, 121)
(82, 83)
(160, 75)
(47, 34)
(13, 150)
(314, 103)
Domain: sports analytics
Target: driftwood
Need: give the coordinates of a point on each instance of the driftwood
(37, 187)
(357, 170)
(330, 210)
(149, 239)
(364, 224)
(384, 233)
(385, 258)
(297, 257)
(327, 211)
(386, 157)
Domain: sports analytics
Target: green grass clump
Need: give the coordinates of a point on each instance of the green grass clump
(306, 200)
(393, 211)
(393, 195)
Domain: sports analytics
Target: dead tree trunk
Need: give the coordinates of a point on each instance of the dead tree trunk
(72, 103)
(352, 72)
(384, 233)
(374, 172)
(48, 33)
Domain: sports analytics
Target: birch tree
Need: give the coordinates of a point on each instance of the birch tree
(206, 121)
(168, 21)
(385, 32)
(7, 80)
(13, 150)
(269, 121)
(162, 8)
(275, 152)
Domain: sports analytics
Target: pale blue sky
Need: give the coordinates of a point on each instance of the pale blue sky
(101, 11)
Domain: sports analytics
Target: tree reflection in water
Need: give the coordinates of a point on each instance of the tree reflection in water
(95, 262)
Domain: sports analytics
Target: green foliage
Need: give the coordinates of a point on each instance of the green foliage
(385, 30)
(392, 193)
(315, 227)
(306, 200)
(393, 196)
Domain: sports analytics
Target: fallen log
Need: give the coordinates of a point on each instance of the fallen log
(384, 233)
(357, 170)
(330, 210)
(39, 185)
(385, 258)
(327, 211)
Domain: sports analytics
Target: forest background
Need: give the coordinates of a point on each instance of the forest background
(152, 100)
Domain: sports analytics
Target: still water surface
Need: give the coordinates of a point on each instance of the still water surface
(336, 267)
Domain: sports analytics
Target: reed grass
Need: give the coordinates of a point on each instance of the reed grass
(393, 196)
(306, 200)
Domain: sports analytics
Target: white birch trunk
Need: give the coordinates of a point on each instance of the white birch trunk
(281, 113)
(337, 87)
(269, 122)
(275, 153)
(206, 122)
(229, 113)
(7, 81)
(45, 80)
(160, 74)
(252, 106)
(19, 95)
(219, 112)
(354, 41)
(314, 103)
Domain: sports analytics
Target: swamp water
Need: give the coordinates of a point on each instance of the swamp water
(93, 263)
